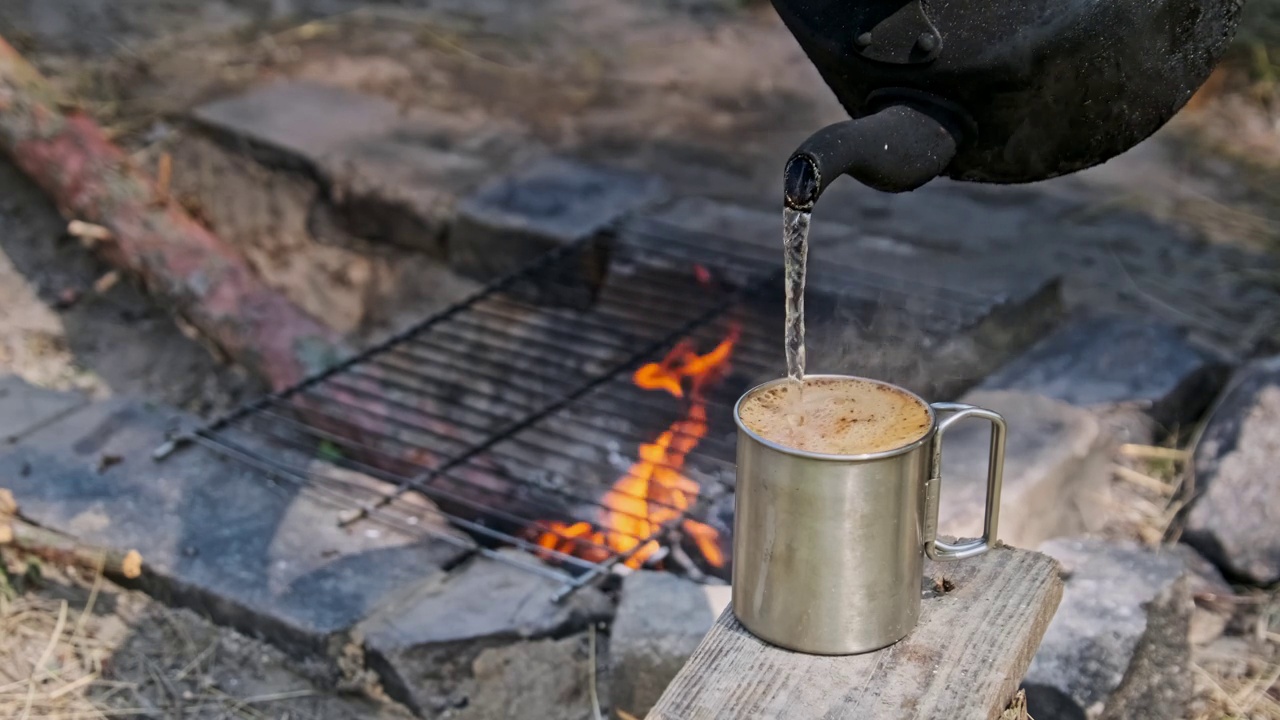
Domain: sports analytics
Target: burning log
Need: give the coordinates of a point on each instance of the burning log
(210, 285)
(654, 492)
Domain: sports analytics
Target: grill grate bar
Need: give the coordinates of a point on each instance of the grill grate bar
(285, 472)
(628, 364)
(434, 493)
(524, 440)
(345, 442)
(502, 414)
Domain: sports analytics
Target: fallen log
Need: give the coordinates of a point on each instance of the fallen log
(209, 284)
(127, 218)
(55, 547)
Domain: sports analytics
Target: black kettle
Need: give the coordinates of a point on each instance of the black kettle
(998, 91)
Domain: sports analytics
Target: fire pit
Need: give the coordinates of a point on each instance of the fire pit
(595, 433)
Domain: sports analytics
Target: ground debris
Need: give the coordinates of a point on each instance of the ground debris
(78, 646)
(1017, 709)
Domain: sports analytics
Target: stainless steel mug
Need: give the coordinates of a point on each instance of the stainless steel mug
(828, 549)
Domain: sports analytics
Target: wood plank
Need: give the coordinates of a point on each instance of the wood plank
(964, 660)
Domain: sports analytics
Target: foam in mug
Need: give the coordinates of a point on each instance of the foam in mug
(838, 416)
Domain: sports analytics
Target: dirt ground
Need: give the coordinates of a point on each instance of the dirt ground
(708, 93)
(74, 648)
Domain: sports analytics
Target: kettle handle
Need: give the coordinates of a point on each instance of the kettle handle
(944, 551)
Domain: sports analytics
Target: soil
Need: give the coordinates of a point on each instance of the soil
(117, 653)
(58, 330)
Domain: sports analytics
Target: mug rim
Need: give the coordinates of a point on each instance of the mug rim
(862, 457)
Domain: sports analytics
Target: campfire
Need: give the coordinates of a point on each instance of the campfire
(654, 492)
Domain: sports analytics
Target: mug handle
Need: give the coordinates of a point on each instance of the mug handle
(943, 551)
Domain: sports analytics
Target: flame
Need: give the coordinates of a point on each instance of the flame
(654, 491)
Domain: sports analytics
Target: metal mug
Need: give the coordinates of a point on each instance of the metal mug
(828, 549)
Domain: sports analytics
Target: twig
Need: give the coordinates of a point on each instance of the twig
(1217, 690)
(56, 547)
(73, 686)
(1253, 692)
(175, 698)
(93, 598)
(1152, 452)
(1145, 481)
(164, 173)
(195, 662)
(89, 233)
(591, 670)
(37, 668)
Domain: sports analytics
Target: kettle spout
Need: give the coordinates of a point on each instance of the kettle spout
(895, 150)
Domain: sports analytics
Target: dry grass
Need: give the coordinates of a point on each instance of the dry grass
(1237, 677)
(48, 663)
(74, 648)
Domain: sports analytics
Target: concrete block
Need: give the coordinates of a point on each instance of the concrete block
(538, 679)
(1118, 647)
(424, 641)
(512, 220)
(924, 317)
(297, 123)
(25, 408)
(1056, 469)
(1135, 372)
(660, 621)
(215, 536)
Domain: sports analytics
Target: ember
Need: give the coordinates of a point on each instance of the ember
(655, 492)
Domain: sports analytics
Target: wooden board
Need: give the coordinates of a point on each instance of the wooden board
(963, 661)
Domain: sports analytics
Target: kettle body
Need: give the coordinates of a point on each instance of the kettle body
(1031, 89)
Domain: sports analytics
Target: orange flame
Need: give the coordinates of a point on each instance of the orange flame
(654, 491)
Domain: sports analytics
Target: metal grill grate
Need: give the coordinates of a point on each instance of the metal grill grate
(517, 407)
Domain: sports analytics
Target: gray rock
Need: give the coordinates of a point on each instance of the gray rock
(1134, 371)
(402, 186)
(1117, 648)
(513, 220)
(537, 679)
(927, 318)
(1055, 473)
(391, 176)
(660, 622)
(297, 123)
(25, 408)
(1233, 520)
(1214, 598)
(214, 536)
(424, 641)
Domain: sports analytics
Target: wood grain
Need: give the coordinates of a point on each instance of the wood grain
(964, 660)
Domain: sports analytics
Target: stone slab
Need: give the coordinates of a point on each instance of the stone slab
(661, 620)
(25, 408)
(214, 535)
(963, 660)
(1135, 371)
(1215, 600)
(933, 320)
(548, 678)
(297, 122)
(1118, 647)
(514, 219)
(1233, 518)
(1055, 475)
(391, 176)
(424, 641)
(402, 186)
